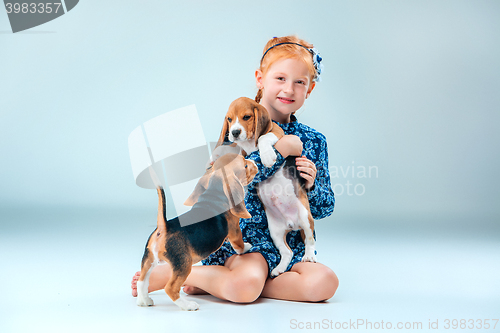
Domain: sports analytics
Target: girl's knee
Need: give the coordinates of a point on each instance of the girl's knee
(245, 289)
(249, 274)
(321, 284)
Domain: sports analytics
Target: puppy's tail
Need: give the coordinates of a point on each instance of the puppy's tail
(161, 220)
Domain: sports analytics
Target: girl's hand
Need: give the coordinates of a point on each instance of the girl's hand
(289, 145)
(307, 170)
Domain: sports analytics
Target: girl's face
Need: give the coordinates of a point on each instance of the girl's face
(286, 86)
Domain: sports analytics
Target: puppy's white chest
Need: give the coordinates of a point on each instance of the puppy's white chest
(248, 146)
(277, 187)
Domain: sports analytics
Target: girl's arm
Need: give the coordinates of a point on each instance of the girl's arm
(321, 196)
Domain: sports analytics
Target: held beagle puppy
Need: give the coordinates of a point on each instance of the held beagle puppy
(249, 127)
(287, 208)
(218, 204)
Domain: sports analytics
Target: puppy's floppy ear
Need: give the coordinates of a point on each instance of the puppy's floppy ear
(200, 188)
(235, 192)
(224, 133)
(263, 121)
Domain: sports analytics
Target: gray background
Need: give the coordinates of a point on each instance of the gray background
(410, 87)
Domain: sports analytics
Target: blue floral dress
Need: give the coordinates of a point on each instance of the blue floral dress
(321, 201)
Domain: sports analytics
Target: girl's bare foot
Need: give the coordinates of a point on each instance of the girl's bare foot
(134, 283)
(157, 280)
(190, 290)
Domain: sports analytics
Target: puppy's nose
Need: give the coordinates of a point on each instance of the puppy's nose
(236, 132)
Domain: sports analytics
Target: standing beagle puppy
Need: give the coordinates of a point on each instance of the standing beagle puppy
(218, 204)
(248, 127)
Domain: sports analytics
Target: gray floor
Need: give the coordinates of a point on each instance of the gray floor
(69, 270)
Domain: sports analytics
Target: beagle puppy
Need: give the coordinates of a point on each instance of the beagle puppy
(285, 201)
(249, 127)
(218, 204)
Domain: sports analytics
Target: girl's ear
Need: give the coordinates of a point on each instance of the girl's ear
(311, 87)
(258, 78)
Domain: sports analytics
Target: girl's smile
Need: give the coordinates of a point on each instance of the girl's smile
(286, 100)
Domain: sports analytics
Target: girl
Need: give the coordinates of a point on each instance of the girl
(288, 72)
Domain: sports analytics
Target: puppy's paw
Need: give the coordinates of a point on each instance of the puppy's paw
(187, 305)
(145, 301)
(277, 271)
(309, 258)
(191, 306)
(246, 248)
(268, 157)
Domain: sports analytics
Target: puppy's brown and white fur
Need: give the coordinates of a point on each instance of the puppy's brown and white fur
(248, 126)
(218, 204)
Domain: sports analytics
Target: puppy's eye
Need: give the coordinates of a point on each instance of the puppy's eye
(246, 166)
(246, 117)
(229, 119)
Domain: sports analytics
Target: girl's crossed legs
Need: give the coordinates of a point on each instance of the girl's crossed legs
(243, 279)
